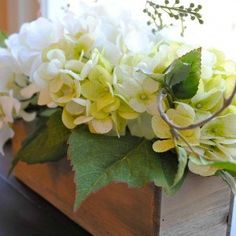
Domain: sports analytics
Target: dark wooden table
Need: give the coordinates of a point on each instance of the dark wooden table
(24, 213)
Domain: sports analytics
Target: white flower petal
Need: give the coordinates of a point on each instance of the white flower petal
(56, 54)
(82, 120)
(201, 169)
(9, 106)
(137, 106)
(142, 127)
(29, 91)
(44, 97)
(101, 126)
(27, 116)
(6, 133)
(150, 85)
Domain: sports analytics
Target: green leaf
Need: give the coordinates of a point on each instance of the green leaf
(183, 75)
(225, 166)
(182, 163)
(47, 143)
(47, 112)
(3, 36)
(228, 166)
(176, 73)
(99, 160)
(229, 179)
(157, 77)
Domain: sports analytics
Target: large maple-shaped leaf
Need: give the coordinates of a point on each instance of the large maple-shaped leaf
(99, 160)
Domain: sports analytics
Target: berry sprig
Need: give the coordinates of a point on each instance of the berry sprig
(176, 11)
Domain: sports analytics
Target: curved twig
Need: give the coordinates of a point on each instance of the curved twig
(162, 95)
(177, 136)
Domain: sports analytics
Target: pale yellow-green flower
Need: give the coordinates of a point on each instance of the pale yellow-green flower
(137, 89)
(71, 46)
(65, 63)
(217, 144)
(209, 96)
(223, 65)
(114, 115)
(76, 112)
(126, 112)
(183, 115)
(63, 89)
(201, 169)
(103, 110)
(220, 129)
(97, 88)
(142, 126)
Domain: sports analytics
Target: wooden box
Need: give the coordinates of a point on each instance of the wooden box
(200, 208)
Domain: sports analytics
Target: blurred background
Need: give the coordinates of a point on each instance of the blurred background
(218, 31)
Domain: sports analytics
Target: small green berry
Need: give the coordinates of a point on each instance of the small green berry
(192, 5)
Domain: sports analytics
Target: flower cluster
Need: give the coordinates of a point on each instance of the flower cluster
(14, 95)
(106, 71)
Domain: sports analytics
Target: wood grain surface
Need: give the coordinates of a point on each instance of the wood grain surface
(115, 210)
(24, 213)
(200, 208)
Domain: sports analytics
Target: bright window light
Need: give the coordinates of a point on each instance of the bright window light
(218, 31)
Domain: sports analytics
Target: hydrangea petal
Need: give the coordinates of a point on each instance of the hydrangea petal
(6, 133)
(68, 119)
(82, 120)
(160, 128)
(101, 126)
(201, 170)
(137, 105)
(163, 145)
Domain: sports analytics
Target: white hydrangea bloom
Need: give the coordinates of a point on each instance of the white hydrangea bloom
(27, 45)
(13, 81)
(9, 107)
(115, 31)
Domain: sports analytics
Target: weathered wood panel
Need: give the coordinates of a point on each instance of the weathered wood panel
(201, 208)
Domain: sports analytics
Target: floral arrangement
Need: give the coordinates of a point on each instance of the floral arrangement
(123, 102)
